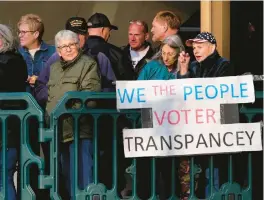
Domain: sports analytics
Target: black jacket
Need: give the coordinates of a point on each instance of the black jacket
(13, 77)
(140, 64)
(97, 44)
(213, 66)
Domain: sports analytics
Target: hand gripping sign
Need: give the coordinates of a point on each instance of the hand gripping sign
(186, 116)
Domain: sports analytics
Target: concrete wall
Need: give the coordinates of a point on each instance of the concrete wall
(55, 14)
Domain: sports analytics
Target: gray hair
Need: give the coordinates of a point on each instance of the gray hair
(175, 42)
(7, 38)
(66, 35)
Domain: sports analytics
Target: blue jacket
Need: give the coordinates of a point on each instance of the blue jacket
(53, 58)
(34, 67)
(154, 70)
(41, 89)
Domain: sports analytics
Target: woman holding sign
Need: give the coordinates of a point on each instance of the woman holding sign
(163, 66)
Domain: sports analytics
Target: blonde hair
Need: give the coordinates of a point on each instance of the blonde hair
(173, 20)
(34, 22)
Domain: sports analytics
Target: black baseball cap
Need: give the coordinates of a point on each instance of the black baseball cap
(202, 37)
(98, 20)
(77, 25)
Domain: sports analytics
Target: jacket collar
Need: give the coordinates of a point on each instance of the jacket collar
(93, 41)
(66, 64)
(210, 60)
(148, 55)
(43, 47)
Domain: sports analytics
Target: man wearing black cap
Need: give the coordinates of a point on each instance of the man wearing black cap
(110, 59)
(99, 28)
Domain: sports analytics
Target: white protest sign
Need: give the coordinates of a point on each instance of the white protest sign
(175, 114)
(192, 140)
(188, 109)
(222, 90)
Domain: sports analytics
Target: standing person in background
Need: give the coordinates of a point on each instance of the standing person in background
(138, 49)
(74, 72)
(110, 60)
(77, 25)
(99, 29)
(33, 49)
(36, 53)
(11, 65)
(163, 66)
(136, 53)
(164, 24)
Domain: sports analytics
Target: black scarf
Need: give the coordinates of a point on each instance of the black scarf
(66, 64)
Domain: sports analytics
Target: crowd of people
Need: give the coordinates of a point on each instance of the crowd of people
(83, 60)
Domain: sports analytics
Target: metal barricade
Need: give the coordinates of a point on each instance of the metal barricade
(96, 190)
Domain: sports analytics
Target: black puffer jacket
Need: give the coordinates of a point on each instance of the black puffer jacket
(213, 66)
(13, 77)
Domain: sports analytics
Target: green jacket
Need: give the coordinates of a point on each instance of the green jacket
(81, 74)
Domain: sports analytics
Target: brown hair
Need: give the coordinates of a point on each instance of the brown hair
(173, 20)
(34, 22)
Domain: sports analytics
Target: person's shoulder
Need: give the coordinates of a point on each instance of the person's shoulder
(224, 67)
(21, 50)
(125, 47)
(10, 56)
(48, 47)
(55, 55)
(154, 63)
(222, 60)
(52, 48)
(111, 46)
(101, 47)
(56, 63)
(194, 64)
(85, 58)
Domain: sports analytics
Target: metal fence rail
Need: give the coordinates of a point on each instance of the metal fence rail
(229, 190)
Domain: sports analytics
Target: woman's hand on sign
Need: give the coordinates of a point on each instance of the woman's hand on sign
(184, 60)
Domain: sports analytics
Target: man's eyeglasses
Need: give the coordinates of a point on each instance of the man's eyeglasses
(24, 32)
(65, 47)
